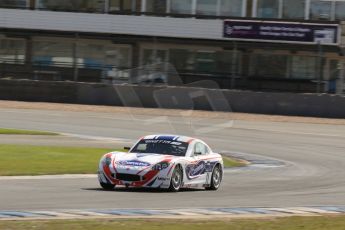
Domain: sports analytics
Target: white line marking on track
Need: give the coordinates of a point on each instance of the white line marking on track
(290, 132)
(85, 213)
(288, 210)
(163, 213)
(56, 214)
(122, 140)
(315, 210)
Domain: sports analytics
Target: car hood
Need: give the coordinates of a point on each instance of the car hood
(140, 159)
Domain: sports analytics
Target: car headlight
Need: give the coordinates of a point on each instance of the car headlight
(107, 161)
(160, 166)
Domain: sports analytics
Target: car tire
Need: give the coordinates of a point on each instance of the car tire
(176, 179)
(216, 178)
(107, 187)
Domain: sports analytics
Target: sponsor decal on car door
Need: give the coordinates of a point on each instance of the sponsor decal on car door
(196, 171)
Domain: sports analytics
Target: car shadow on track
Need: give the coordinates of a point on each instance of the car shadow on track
(140, 190)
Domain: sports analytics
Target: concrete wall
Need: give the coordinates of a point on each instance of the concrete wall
(175, 97)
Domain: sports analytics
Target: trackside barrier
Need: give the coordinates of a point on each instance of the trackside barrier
(177, 97)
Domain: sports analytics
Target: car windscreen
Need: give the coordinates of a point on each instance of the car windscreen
(166, 147)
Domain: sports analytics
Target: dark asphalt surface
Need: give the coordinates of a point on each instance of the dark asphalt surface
(314, 157)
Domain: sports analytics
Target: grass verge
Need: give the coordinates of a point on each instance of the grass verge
(289, 223)
(45, 160)
(230, 162)
(21, 160)
(25, 132)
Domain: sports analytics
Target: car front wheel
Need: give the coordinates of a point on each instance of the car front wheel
(176, 180)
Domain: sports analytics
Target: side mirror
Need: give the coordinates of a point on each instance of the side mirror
(127, 148)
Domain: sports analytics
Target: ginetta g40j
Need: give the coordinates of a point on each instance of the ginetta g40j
(163, 161)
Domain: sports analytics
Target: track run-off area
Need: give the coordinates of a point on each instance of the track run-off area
(311, 172)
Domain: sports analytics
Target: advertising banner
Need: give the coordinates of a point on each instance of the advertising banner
(289, 32)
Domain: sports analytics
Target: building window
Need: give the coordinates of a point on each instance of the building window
(13, 3)
(340, 11)
(154, 67)
(151, 56)
(115, 5)
(231, 8)
(181, 6)
(74, 5)
(52, 53)
(303, 67)
(334, 70)
(12, 51)
(268, 8)
(182, 59)
(102, 55)
(191, 60)
(206, 7)
(112, 59)
(89, 54)
(205, 62)
(156, 6)
(228, 62)
(125, 5)
(320, 10)
(269, 66)
(294, 9)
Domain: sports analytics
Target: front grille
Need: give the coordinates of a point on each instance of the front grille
(128, 177)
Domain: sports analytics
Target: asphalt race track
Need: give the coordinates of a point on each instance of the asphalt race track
(313, 155)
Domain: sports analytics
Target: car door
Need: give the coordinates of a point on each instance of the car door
(196, 171)
(205, 157)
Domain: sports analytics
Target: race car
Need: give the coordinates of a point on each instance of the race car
(163, 161)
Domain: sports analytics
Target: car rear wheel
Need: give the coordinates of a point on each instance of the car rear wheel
(216, 178)
(176, 180)
(107, 186)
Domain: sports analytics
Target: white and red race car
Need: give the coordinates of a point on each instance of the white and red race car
(163, 161)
